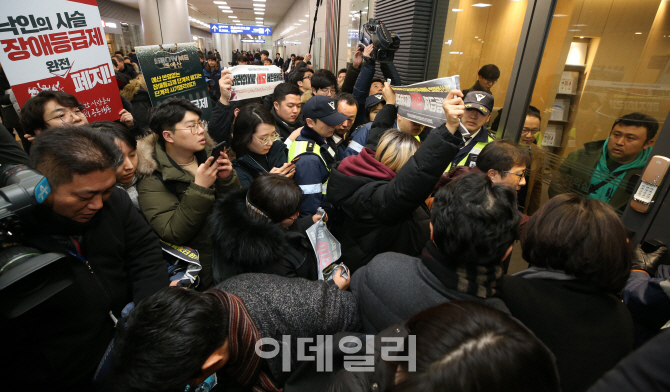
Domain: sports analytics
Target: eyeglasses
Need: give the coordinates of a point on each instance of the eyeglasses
(328, 90)
(193, 128)
(491, 82)
(520, 176)
(268, 140)
(307, 77)
(533, 131)
(71, 118)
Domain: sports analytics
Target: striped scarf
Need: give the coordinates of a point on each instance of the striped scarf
(243, 364)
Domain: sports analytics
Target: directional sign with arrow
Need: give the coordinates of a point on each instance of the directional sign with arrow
(235, 29)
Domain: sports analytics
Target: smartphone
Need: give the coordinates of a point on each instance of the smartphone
(296, 159)
(216, 151)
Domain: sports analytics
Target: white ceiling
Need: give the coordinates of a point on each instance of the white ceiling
(207, 12)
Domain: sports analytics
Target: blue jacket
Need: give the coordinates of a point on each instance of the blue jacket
(363, 83)
(212, 75)
(648, 300)
(247, 169)
(311, 172)
(359, 138)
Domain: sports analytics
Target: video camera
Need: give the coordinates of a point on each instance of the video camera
(27, 277)
(385, 42)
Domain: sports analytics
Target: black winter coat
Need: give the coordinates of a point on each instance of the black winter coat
(58, 344)
(379, 216)
(646, 369)
(244, 244)
(588, 330)
(247, 170)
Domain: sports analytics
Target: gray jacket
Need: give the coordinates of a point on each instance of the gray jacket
(393, 287)
(293, 306)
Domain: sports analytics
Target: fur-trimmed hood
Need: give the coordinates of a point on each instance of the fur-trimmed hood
(242, 241)
(146, 153)
(131, 89)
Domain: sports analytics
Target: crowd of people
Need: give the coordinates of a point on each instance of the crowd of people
(425, 218)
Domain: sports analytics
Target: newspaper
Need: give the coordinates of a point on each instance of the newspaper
(422, 102)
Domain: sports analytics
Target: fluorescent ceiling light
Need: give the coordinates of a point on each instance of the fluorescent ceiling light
(456, 10)
(481, 5)
(300, 20)
(559, 15)
(220, 2)
(297, 24)
(259, 9)
(638, 33)
(224, 7)
(238, 24)
(580, 25)
(259, 18)
(307, 15)
(259, 13)
(260, 0)
(232, 16)
(250, 36)
(259, 5)
(234, 20)
(227, 11)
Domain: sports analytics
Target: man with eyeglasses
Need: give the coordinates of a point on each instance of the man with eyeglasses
(487, 77)
(302, 79)
(177, 197)
(530, 196)
(50, 109)
(324, 83)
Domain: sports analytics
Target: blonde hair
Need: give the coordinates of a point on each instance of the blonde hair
(395, 148)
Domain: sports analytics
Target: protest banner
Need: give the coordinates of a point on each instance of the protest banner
(174, 70)
(422, 102)
(59, 45)
(252, 81)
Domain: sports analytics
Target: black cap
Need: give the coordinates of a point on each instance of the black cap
(374, 100)
(479, 100)
(323, 108)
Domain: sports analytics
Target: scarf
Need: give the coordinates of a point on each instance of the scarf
(243, 365)
(476, 280)
(613, 179)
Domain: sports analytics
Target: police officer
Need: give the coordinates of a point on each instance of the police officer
(478, 107)
(317, 151)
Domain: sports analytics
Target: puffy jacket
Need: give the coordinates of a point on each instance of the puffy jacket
(389, 215)
(245, 244)
(177, 208)
(58, 344)
(141, 101)
(247, 169)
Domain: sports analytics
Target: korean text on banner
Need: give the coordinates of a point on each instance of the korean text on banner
(252, 81)
(174, 70)
(59, 45)
(422, 102)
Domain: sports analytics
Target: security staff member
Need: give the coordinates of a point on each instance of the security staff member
(478, 107)
(317, 151)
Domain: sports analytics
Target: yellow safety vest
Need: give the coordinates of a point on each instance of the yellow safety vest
(475, 151)
(300, 147)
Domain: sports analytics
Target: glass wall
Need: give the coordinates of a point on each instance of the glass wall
(604, 60)
(478, 33)
(359, 13)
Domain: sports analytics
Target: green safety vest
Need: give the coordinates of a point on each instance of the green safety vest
(300, 147)
(475, 151)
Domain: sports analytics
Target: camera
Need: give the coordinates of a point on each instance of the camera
(385, 42)
(27, 277)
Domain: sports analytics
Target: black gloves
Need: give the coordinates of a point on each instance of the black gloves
(649, 262)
